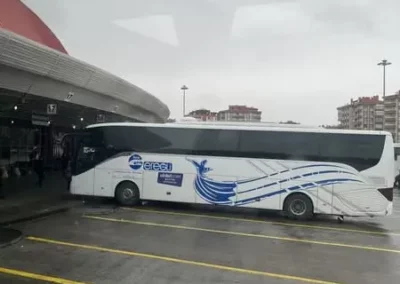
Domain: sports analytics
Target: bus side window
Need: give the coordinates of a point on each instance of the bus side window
(217, 142)
(279, 145)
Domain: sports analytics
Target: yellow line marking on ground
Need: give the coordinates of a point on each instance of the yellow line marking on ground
(244, 234)
(45, 278)
(317, 227)
(183, 261)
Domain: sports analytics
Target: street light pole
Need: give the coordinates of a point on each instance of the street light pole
(384, 63)
(184, 88)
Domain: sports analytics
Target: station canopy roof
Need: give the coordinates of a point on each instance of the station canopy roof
(33, 76)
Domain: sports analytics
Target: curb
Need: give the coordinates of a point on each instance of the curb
(13, 241)
(37, 215)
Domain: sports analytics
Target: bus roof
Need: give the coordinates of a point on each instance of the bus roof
(244, 126)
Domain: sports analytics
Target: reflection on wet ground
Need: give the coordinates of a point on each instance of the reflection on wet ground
(179, 243)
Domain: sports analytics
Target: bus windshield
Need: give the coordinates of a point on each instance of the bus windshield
(90, 151)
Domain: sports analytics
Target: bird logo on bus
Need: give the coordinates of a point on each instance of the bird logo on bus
(245, 191)
(135, 162)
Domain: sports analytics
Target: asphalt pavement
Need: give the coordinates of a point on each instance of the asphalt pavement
(174, 243)
(9, 236)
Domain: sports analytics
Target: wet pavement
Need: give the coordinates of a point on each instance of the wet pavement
(9, 236)
(24, 200)
(175, 243)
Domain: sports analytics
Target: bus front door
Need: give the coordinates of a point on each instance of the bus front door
(83, 174)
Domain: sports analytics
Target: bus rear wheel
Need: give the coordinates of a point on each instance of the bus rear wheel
(127, 193)
(298, 207)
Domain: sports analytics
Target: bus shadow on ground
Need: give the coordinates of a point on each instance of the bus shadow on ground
(266, 215)
(109, 205)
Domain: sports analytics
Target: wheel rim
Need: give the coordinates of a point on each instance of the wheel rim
(298, 207)
(127, 193)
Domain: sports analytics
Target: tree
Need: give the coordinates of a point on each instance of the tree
(289, 122)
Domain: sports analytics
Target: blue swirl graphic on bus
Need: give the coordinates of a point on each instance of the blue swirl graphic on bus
(210, 190)
(228, 193)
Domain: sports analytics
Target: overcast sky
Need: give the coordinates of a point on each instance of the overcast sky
(293, 59)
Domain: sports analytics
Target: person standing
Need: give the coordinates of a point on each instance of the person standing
(397, 181)
(66, 163)
(37, 164)
(3, 175)
(1, 185)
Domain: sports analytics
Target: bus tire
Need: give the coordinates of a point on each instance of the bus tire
(298, 206)
(127, 193)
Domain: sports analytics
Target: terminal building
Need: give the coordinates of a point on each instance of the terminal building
(46, 93)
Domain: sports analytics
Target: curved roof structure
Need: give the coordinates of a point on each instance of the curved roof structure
(33, 61)
(18, 18)
(29, 67)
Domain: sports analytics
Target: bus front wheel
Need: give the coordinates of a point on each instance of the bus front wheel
(299, 207)
(127, 193)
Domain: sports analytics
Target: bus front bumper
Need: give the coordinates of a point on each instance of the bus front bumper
(389, 209)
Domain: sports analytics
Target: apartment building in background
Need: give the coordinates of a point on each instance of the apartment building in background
(240, 113)
(392, 115)
(365, 113)
(203, 115)
(233, 113)
(346, 116)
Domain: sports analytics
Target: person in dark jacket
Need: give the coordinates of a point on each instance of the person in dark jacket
(3, 175)
(397, 181)
(66, 163)
(1, 186)
(37, 164)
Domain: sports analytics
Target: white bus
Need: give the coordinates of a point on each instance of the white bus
(300, 171)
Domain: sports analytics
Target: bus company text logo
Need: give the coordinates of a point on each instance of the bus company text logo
(136, 163)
